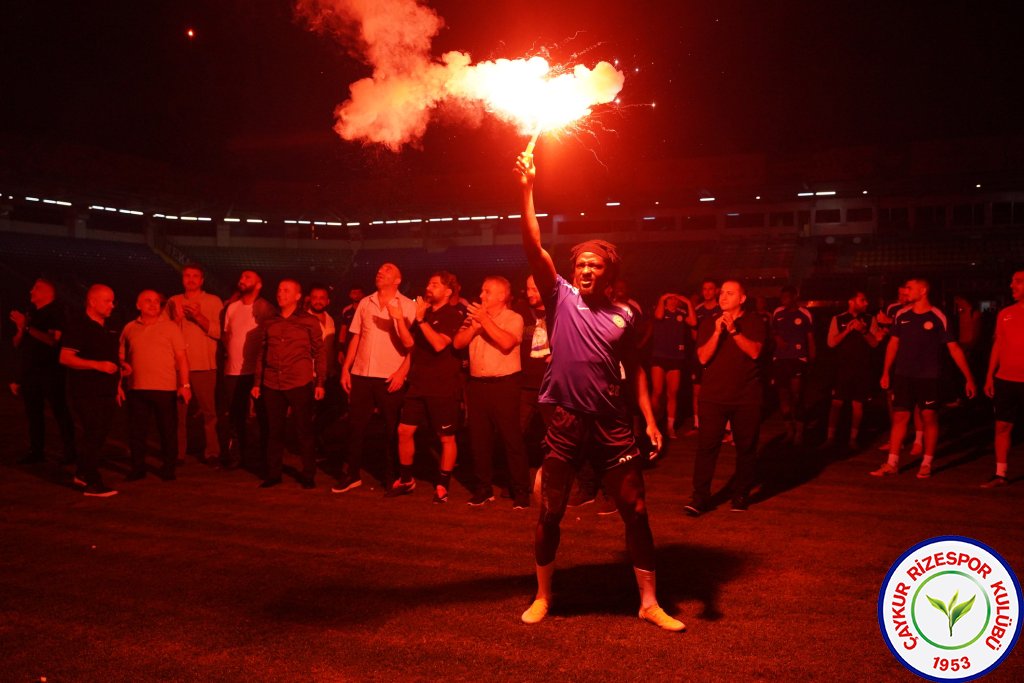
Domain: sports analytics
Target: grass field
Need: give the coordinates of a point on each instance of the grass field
(211, 579)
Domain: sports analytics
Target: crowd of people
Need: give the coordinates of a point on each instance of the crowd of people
(573, 373)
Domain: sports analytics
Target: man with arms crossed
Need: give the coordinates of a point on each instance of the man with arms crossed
(592, 341)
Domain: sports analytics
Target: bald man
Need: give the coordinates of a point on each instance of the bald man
(94, 384)
(153, 347)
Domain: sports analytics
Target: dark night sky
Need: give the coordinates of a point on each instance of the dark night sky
(255, 91)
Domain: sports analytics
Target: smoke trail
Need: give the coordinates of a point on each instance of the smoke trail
(394, 105)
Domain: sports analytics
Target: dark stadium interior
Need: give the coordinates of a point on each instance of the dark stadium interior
(834, 147)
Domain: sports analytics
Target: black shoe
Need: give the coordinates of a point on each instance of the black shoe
(346, 483)
(307, 483)
(521, 503)
(482, 497)
(99, 490)
(32, 459)
(740, 504)
(270, 483)
(136, 475)
(694, 509)
(400, 488)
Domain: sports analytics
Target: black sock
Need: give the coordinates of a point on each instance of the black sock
(405, 473)
(444, 479)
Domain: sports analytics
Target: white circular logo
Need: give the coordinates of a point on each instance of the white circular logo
(949, 609)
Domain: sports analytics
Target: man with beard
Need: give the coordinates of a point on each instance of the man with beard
(851, 336)
(328, 410)
(592, 342)
(197, 313)
(883, 323)
(244, 312)
(290, 374)
(434, 386)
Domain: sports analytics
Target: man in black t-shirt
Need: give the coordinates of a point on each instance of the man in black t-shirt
(707, 309)
(90, 352)
(728, 347)
(40, 379)
(434, 386)
(851, 335)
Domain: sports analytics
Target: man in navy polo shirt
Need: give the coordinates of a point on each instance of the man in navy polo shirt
(913, 363)
(592, 358)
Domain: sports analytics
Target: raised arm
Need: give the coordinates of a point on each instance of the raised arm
(543, 267)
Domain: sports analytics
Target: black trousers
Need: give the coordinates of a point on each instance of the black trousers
(233, 420)
(746, 426)
(493, 407)
(277, 402)
(40, 388)
(95, 417)
(369, 393)
(327, 411)
(163, 405)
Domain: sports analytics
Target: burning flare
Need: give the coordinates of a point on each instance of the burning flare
(393, 107)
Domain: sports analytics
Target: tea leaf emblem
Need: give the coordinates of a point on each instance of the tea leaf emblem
(954, 612)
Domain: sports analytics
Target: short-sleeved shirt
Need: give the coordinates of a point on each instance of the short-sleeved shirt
(535, 349)
(486, 359)
(731, 377)
(35, 356)
(1010, 336)
(239, 323)
(853, 351)
(793, 326)
(380, 352)
(923, 339)
(436, 373)
(588, 345)
(200, 344)
(150, 350)
(671, 335)
(92, 341)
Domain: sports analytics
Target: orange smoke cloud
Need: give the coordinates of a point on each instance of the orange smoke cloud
(394, 105)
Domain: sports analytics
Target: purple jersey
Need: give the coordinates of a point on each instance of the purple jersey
(923, 339)
(793, 327)
(587, 346)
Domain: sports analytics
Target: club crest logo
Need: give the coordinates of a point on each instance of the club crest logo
(928, 324)
(949, 609)
(618, 320)
(798, 321)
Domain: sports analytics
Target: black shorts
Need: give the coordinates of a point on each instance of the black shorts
(670, 364)
(442, 412)
(853, 384)
(1008, 401)
(606, 441)
(696, 371)
(911, 392)
(785, 369)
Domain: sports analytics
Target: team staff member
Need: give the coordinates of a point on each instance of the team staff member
(90, 352)
(728, 346)
(708, 308)
(592, 342)
(291, 368)
(434, 386)
(674, 320)
(850, 334)
(1004, 382)
(492, 331)
(793, 332)
(913, 363)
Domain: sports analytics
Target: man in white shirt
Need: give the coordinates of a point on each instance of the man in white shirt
(244, 311)
(375, 368)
